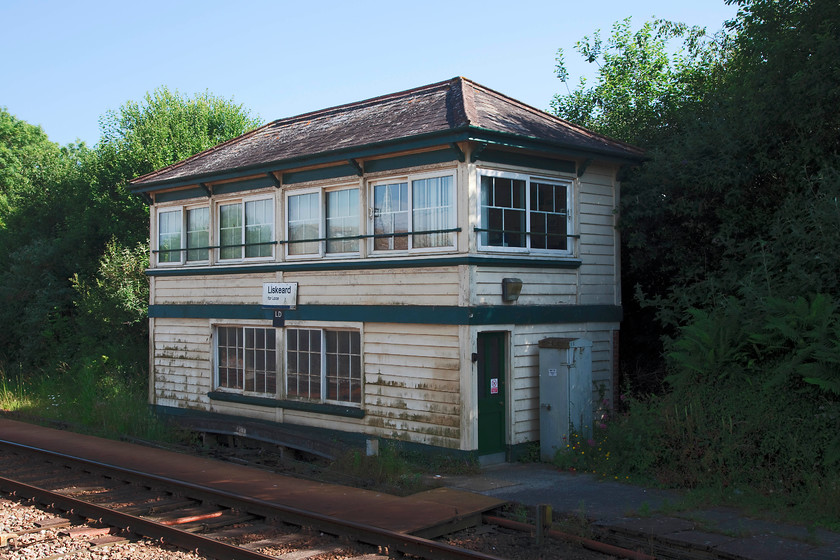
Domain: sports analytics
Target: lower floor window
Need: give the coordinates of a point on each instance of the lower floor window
(324, 365)
(321, 364)
(247, 359)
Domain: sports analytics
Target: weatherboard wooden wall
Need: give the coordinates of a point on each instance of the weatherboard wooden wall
(412, 378)
(419, 381)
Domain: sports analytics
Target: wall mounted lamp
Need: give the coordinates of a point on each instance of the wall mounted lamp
(511, 288)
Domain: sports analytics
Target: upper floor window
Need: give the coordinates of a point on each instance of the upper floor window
(416, 213)
(315, 228)
(183, 234)
(246, 228)
(198, 234)
(169, 236)
(520, 212)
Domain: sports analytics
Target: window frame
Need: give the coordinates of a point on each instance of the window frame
(217, 228)
(321, 239)
(410, 179)
(269, 333)
(529, 178)
(324, 376)
(184, 249)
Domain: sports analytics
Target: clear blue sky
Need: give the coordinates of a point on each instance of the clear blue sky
(65, 63)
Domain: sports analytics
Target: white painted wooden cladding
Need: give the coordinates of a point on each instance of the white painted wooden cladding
(387, 286)
(411, 392)
(539, 286)
(181, 363)
(221, 289)
(598, 243)
(409, 286)
(412, 383)
(525, 393)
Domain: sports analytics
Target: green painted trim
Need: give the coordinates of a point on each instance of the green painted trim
(406, 314)
(318, 408)
(172, 196)
(526, 160)
(292, 177)
(246, 185)
(411, 160)
(566, 149)
(553, 263)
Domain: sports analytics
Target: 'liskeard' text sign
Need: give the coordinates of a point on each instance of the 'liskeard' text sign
(279, 295)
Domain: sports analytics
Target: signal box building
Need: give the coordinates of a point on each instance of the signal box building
(387, 268)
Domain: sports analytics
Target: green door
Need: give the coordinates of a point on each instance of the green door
(491, 392)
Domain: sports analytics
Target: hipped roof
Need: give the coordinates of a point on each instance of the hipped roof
(443, 113)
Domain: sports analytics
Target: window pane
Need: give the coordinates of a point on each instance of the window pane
(433, 210)
(245, 360)
(259, 227)
(548, 217)
(503, 211)
(304, 221)
(230, 358)
(169, 236)
(303, 363)
(341, 378)
(343, 220)
(230, 231)
(198, 234)
(390, 216)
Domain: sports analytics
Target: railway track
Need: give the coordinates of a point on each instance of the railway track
(126, 504)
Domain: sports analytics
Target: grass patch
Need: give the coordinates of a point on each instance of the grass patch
(96, 397)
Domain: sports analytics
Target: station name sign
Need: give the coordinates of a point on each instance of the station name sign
(278, 294)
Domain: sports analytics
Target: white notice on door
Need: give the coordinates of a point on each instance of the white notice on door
(552, 372)
(494, 386)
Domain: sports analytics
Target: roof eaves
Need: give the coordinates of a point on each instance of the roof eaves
(508, 139)
(201, 154)
(444, 137)
(546, 115)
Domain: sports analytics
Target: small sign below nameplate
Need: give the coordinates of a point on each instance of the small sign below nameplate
(279, 319)
(279, 294)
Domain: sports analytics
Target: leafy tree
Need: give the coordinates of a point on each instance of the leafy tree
(743, 148)
(652, 86)
(141, 137)
(731, 230)
(29, 162)
(69, 218)
(112, 306)
(643, 82)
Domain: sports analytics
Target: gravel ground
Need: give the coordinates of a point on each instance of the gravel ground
(33, 543)
(517, 545)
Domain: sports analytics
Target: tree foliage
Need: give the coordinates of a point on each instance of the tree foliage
(731, 231)
(643, 81)
(738, 195)
(73, 241)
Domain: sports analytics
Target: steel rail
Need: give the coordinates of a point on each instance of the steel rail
(394, 541)
(131, 523)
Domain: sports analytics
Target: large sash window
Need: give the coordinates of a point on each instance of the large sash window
(526, 214)
(415, 213)
(324, 365)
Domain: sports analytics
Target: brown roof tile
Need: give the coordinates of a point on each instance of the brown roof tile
(454, 105)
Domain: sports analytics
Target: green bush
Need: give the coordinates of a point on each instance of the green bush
(752, 410)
